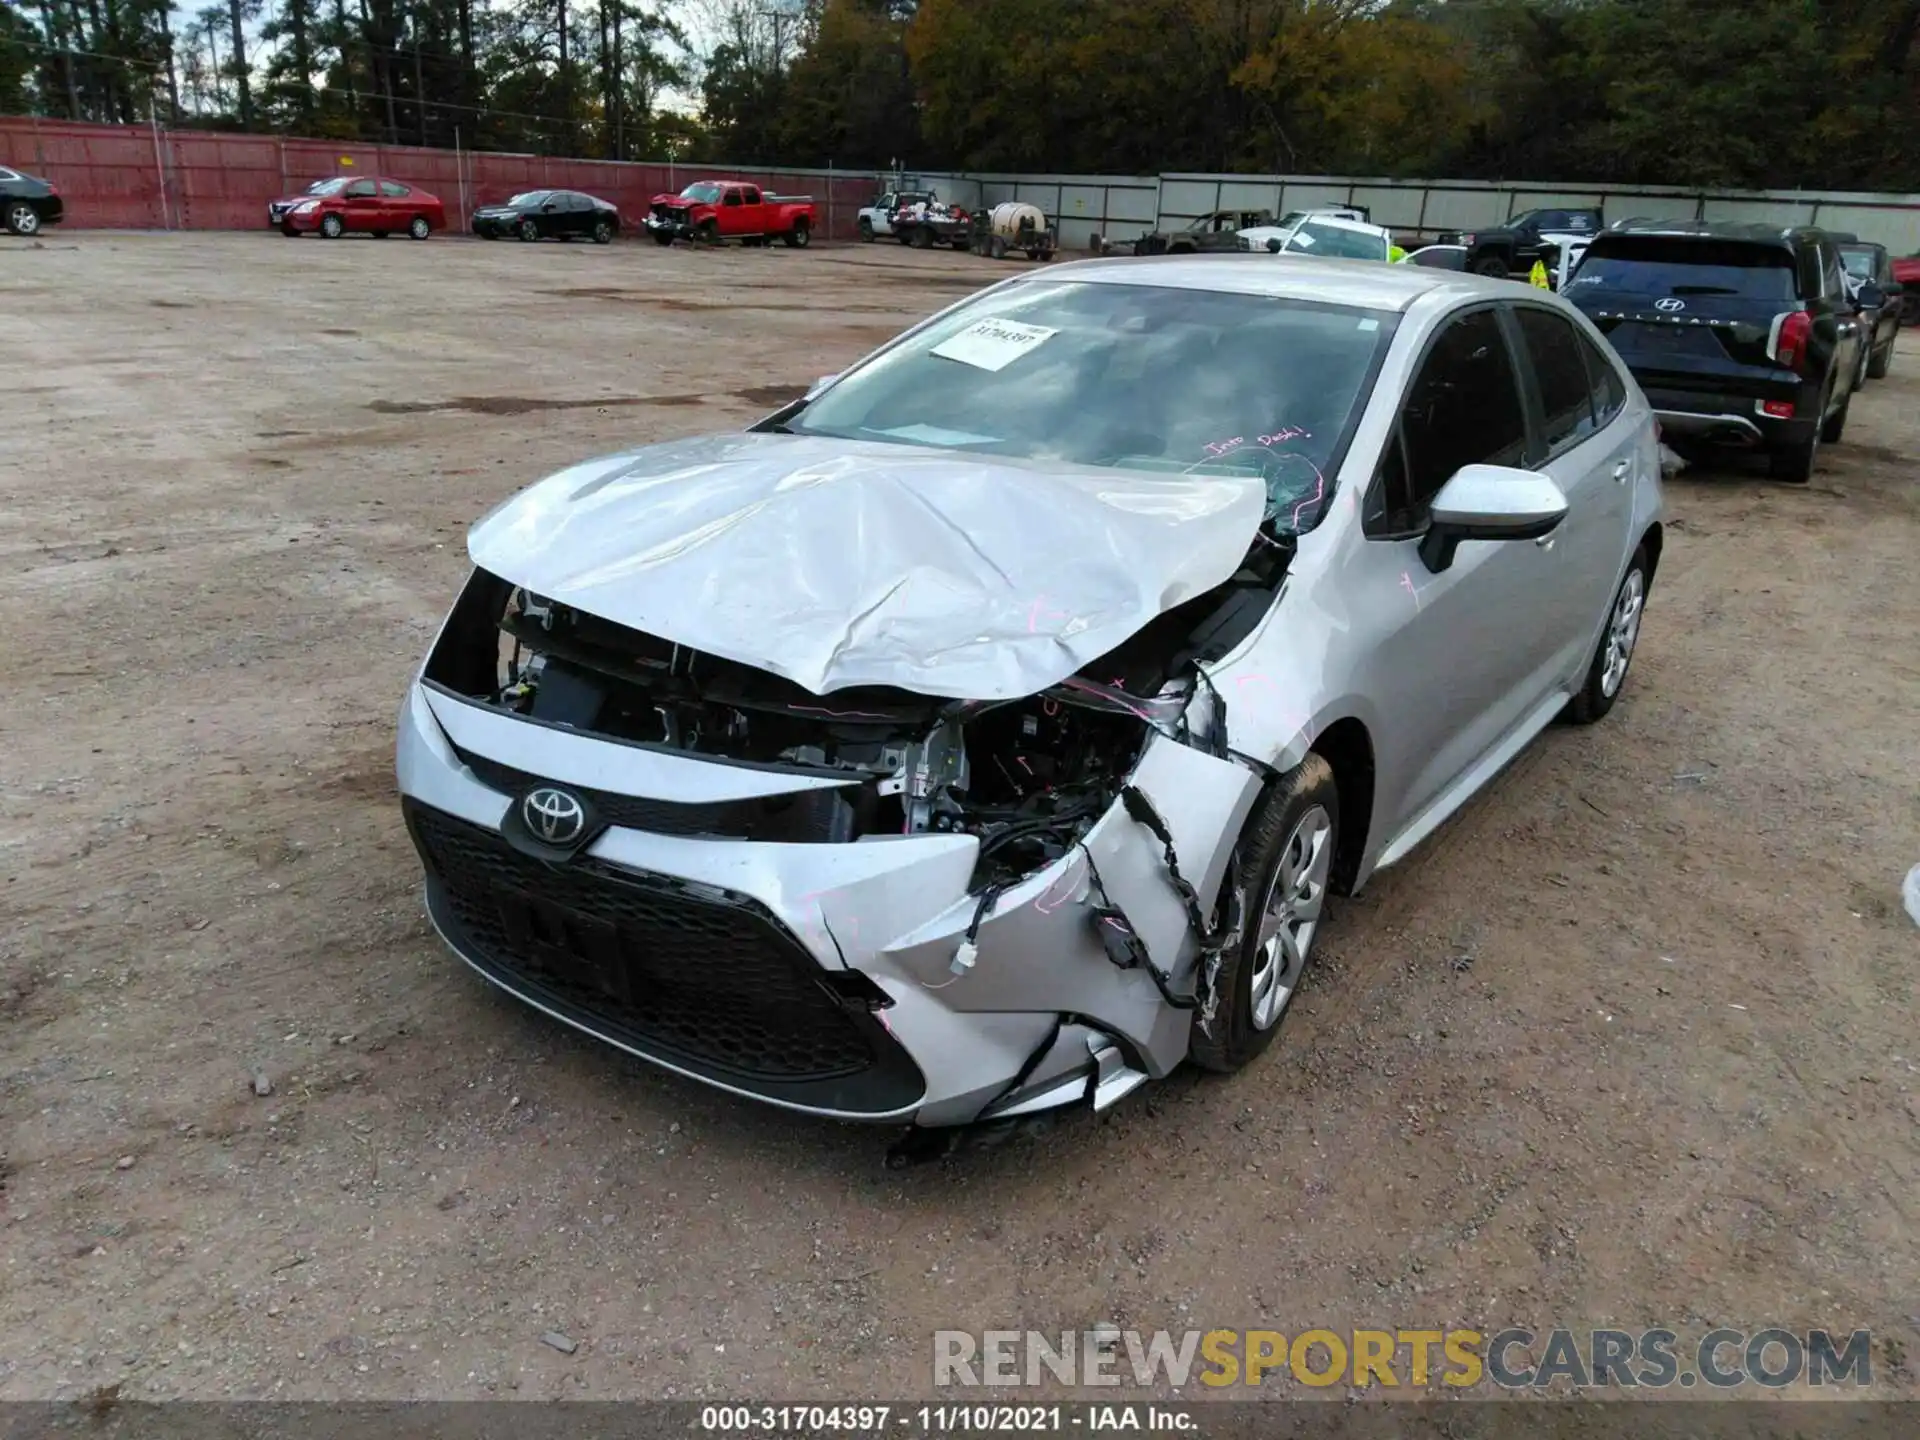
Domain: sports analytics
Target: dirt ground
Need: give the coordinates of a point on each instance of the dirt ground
(1631, 1042)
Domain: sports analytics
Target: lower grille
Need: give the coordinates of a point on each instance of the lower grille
(709, 982)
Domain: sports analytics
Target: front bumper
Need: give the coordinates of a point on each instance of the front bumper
(671, 227)
(744, 964)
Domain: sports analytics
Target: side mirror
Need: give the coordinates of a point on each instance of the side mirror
(822, 383)
(1871, 296)
(1274, 246)
(1490, 502)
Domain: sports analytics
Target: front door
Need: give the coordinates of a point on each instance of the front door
(1455, 667)
(363, 206)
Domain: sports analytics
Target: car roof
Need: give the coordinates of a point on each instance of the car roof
(1749, 231)
(1364, 284)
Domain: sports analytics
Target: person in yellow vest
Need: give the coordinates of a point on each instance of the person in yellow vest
(1395, 255)
(1537, 277)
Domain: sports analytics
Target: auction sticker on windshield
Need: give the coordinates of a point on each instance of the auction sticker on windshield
(992, 344)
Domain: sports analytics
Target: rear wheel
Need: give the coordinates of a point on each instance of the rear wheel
(419, 229)
(332, 226)
(1491, 265)
(1279, 882)
(23, 219)
(603, 232)
(997, 248)
(1835, 424)
(866, 230)
(529, 231)
(1794, 463)
(922, 238)
(1881, 362)
(800, 235)
(1608, 671)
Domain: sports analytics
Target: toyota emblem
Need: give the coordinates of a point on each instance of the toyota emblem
(553, 815)
(1670, 305)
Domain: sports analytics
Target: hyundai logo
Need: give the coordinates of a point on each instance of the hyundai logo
(553, 815)
(1670, 305)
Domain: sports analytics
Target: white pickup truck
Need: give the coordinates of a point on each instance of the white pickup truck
(877, 219)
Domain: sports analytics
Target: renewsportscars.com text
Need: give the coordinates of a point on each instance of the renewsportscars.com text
(1511, 1359)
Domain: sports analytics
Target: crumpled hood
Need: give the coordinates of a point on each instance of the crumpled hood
(838, 563)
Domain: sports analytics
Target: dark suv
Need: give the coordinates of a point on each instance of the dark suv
(1741, 335)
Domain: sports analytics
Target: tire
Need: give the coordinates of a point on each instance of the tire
(1794, 463)
(528, 231)
(23, 219)
(332, 226)
(921, 238)
(800, 236)
(866, 231)
(418, 227)
(1613, 656)
(1835, 425)
(997, 247)
(1881, 362)
(603, 232)
(1288, 846)
(1493, 266)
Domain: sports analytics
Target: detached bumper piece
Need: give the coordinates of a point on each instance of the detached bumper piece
(700, 980)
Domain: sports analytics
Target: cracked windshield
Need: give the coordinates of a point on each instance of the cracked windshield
(1128, 377)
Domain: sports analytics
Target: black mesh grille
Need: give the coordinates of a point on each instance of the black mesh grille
(806, 817)
(710, 981)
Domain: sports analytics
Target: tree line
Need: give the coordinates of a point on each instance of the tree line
(1804, 93)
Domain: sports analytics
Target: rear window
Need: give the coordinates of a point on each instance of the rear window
(1687, 267)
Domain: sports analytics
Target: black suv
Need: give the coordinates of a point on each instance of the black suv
(1512, 248)
(1741, 335)
(1881, 298)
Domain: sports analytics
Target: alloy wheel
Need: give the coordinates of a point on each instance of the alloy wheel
(1290, 916)
(1623, 629)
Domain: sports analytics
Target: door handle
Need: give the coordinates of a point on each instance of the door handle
(1622, 470)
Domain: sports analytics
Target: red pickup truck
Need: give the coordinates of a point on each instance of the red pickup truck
(716, 210)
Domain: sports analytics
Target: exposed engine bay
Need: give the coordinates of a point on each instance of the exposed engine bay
(1027, 777)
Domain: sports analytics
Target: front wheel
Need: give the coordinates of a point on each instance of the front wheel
(332, 226)
(1491, 265)
(1607, 672)
(707, 232)
(799, 236)
(1279, 882)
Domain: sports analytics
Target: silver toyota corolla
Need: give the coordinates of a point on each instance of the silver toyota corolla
(985, 732)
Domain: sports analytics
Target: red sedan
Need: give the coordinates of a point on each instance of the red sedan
(360, 203)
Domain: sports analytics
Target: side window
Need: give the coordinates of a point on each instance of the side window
(731, 197)
(1609, 393)
(1560, 374)
(1462, 408)
(1836, 274)
(360, 189)
(393, 190)
(752, 195)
